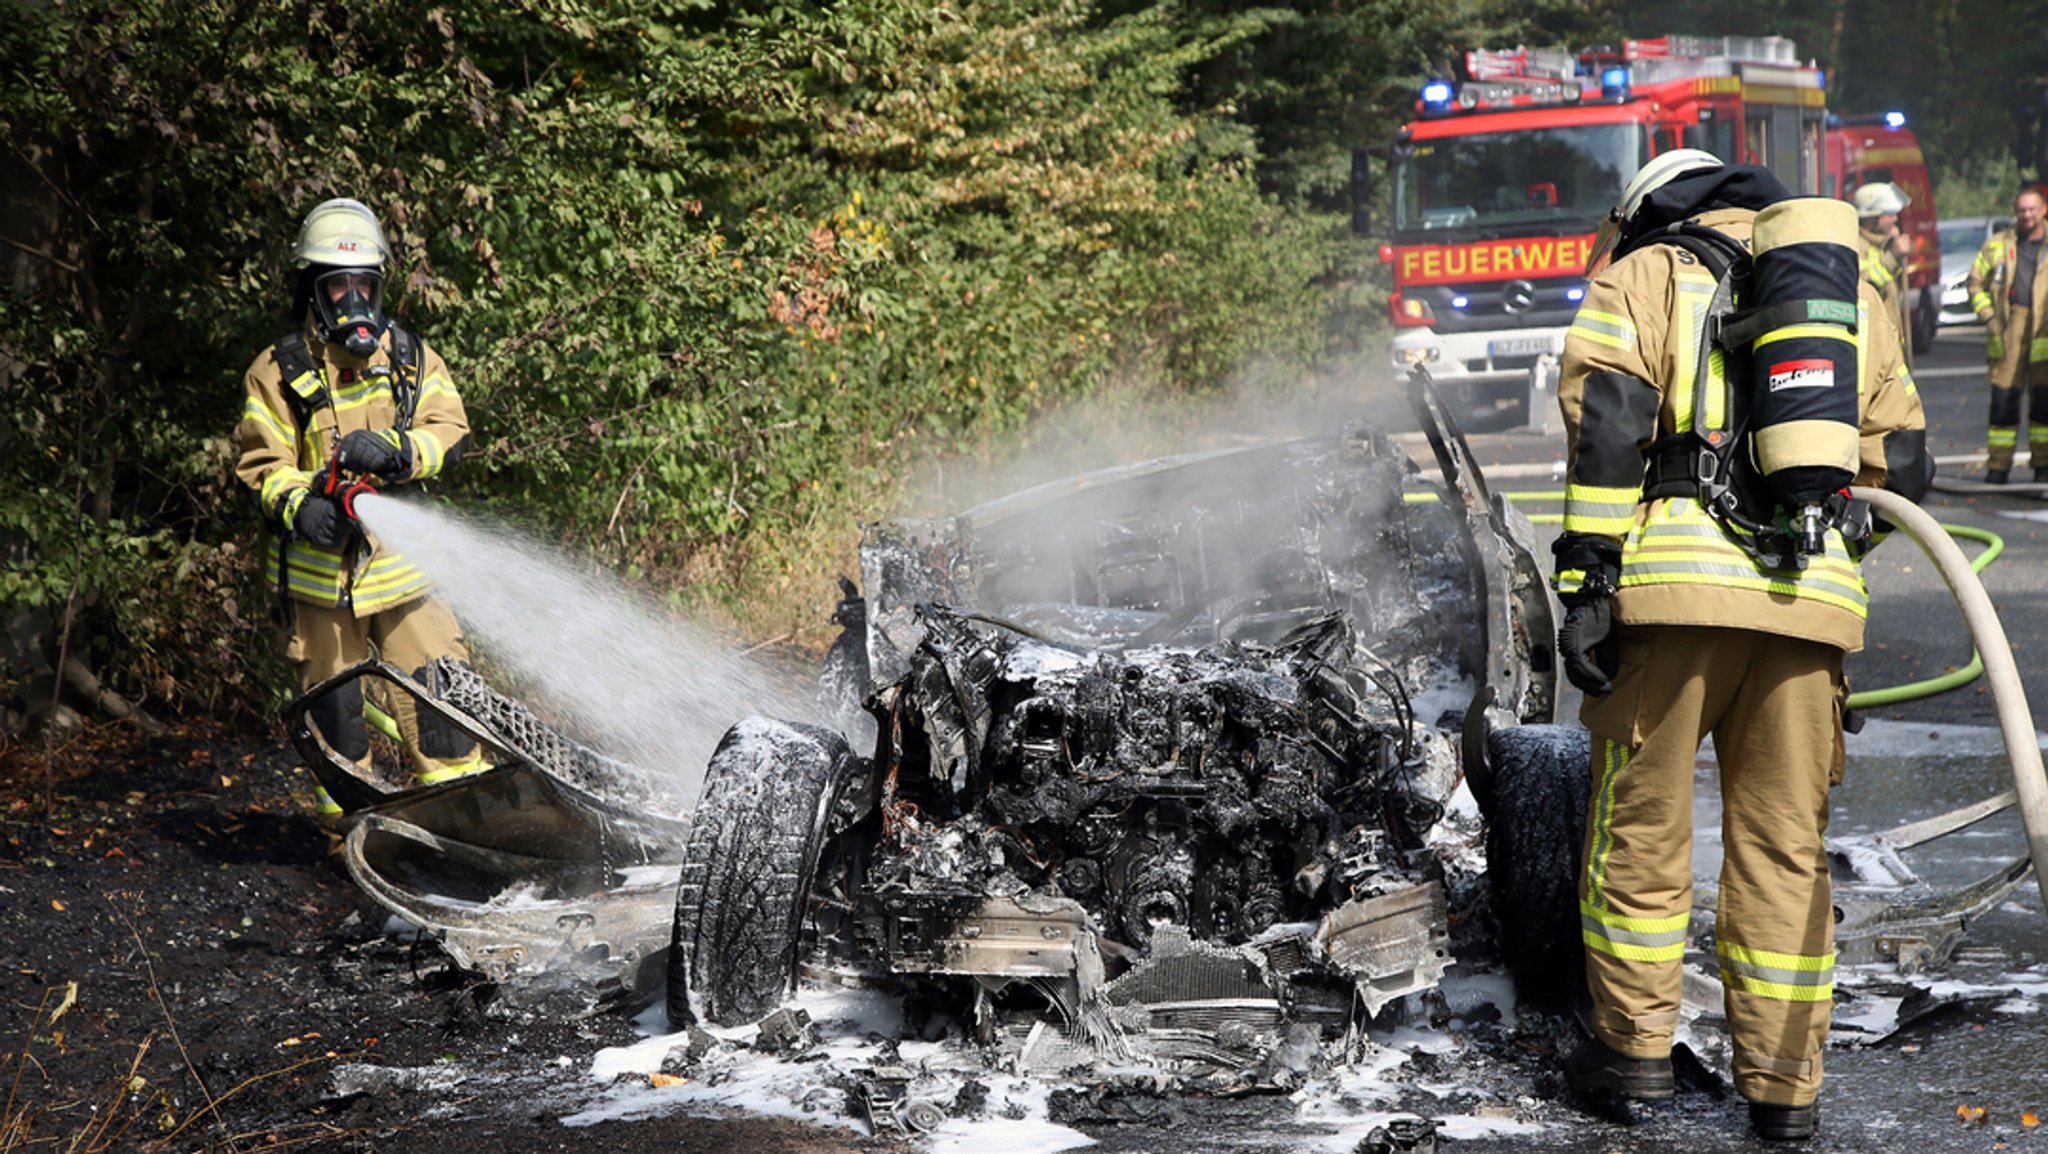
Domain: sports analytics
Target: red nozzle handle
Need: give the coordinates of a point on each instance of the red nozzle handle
(349, 495)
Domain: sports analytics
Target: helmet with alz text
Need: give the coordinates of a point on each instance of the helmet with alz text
(1879, 198)
(340, 255)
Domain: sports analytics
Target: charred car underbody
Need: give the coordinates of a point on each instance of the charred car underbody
(1167, 763)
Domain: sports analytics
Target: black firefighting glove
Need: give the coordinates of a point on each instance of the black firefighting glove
(386, 453)
(1588, 574)
(318, 520)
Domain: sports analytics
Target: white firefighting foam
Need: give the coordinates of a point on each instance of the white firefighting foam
(626, 677)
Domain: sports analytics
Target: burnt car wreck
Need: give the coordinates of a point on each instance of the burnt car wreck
(1163, 757)
(1198, 764)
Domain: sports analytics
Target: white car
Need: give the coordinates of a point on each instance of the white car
(1960, 240)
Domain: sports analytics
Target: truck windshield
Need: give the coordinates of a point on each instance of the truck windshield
(1533, 176)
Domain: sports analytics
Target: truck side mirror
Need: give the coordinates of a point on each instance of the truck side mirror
(1361, 193)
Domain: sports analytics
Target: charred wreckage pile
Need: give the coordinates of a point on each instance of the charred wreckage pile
(1156, 762)
(1161, 764)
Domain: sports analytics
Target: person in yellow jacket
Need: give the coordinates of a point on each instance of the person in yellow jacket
(352, 394)
(1885, 247)
(1675, 631)
(2009, 292)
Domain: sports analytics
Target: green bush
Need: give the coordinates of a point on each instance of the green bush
(711, 280)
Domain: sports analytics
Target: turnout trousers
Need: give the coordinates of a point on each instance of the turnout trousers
(2018, 369)
(327, 639)
(1773, 706)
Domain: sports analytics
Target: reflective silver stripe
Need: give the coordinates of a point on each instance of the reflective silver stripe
(1603, 510)
(1610, 329)
(1783, 977)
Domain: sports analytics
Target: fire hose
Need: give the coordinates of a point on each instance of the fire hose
(2015, 720)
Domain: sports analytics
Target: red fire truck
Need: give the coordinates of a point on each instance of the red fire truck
(1500, 182)
(1865, 149)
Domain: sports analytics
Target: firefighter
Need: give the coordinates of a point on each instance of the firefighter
(1676, 630)
(1885, 247)
(2009, 291)
(352, 395)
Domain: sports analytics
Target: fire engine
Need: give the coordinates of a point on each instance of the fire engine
(1500, 182)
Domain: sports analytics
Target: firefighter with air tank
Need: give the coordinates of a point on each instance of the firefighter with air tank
(351, 393)
(1709, 566)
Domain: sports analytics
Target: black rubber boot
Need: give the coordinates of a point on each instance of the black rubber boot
(1784, 1123)
(1597, 1068)
(1997, 476)
(2041, 474)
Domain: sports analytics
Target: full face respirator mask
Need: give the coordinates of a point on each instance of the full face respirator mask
(348, 304)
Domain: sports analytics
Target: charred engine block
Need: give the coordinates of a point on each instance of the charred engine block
(1224, 789)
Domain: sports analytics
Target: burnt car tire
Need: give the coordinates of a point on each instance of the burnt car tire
(747, 869)
(1541, 775)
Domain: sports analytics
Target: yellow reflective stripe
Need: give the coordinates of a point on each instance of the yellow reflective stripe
(1862, 347)
(2005, 436)
(473, 764)
(306, 385)
(1610, 329)
(387, 583)
(1609, 511)
(1717, 391)
(254, 409)
(1612, 524)
(1681, 545)
(280, 482)
(1784, 977)
(1631, 938)
(1794, 332)
(1613, 761)
(1695, 294)
(2038, 350)
(1730, 577)
(349, 400)
(427, 454)
(323, 802)
(1777, 991)
(437, 385)
(379, 720)
(1764, 961)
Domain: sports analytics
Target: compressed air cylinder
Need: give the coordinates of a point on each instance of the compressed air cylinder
(1804, 363)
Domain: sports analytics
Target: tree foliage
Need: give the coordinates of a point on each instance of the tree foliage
(713, 275)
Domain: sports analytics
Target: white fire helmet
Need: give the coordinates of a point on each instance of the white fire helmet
(1879, 198)
(1660, 171)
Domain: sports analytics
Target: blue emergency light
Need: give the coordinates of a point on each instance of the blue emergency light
(1895, 120)
(1460, 301)
(1614, 82)
(1436, 94)
(1575, 295)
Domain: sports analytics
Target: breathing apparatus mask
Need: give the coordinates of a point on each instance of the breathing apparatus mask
(340, 254)
(348, 306)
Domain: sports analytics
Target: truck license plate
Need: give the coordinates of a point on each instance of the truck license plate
(1521, 346)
